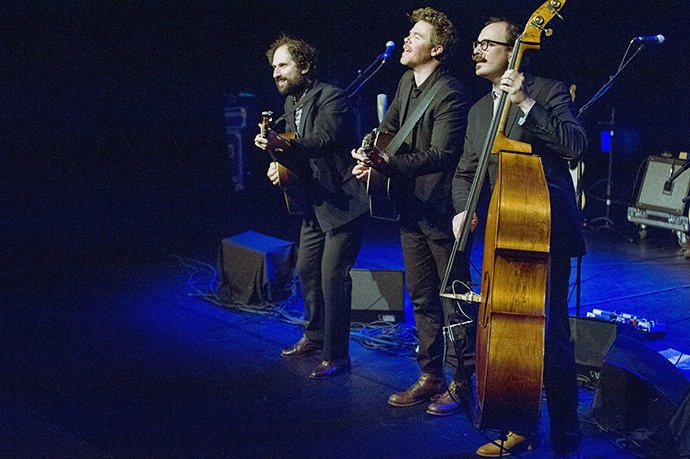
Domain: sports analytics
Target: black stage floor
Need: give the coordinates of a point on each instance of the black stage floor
(110, 351)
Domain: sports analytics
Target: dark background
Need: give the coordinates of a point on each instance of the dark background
(112, 112)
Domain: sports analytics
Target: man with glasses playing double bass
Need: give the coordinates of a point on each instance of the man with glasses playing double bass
(544, 117)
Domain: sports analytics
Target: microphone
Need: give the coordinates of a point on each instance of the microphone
(387, 53)
(659, 39)
(669, 182)
(381, 106)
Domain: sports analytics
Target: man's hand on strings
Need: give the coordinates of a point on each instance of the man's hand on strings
(513, 83)
(380, 161)
(272, 141)
(260, 141)
(458, 221)
(272, 173)
(361, 169)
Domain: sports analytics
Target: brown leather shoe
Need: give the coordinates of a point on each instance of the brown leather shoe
(301, 348)
(451, 401)
(427, 386)
(328, 368)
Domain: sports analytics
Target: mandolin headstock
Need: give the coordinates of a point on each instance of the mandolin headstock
(266, 120)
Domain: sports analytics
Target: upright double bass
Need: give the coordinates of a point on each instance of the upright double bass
(512, 318)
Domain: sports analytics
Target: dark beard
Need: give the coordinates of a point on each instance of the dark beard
(292, 88)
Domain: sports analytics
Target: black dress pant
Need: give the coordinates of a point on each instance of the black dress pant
(426, 260)
(560, 372)
(324, 260)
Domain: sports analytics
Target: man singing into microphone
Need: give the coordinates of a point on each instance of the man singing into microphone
(420, 174)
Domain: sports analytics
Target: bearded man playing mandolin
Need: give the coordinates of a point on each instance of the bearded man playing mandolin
(334, 220)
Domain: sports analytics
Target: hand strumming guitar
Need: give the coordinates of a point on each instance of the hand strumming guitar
(380, 161)
(361, 169)
(367, 157)
(273, 174)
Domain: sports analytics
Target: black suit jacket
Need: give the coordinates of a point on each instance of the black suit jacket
(320, 154)
(422, 170)
(555, 135)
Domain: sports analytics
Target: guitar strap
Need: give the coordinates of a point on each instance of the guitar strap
(298, 105)
(409, 123)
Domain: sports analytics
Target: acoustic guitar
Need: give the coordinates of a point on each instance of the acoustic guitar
(381, 204)
(288, 181)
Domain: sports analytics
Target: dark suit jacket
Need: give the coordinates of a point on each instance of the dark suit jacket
(421, 172)
(321, 155)
(555, 135)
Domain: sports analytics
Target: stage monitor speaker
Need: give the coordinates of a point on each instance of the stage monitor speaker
(255, 269)
(592, 340)
(654, 194)
(378, 294)
(638, 388)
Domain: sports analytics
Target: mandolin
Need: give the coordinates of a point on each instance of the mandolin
(288, 181)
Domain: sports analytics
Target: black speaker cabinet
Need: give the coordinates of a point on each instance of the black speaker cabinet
(592, 340)
(638, 388)
(655, 194)
(377, 294)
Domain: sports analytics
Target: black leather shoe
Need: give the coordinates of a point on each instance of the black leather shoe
(301, 348)
(328, 368)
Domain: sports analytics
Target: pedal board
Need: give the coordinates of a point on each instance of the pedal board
(650, 328)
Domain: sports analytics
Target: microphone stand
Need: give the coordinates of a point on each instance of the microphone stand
(608, 223)
(603, 90)
(606, 86)
(364, 75)
(669, 183)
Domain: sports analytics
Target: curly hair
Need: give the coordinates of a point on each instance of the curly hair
(443, 31)
(304, 54)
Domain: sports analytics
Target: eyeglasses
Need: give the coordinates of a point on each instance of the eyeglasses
(486, 44)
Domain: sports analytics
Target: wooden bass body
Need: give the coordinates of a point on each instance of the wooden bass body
(511, 322)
